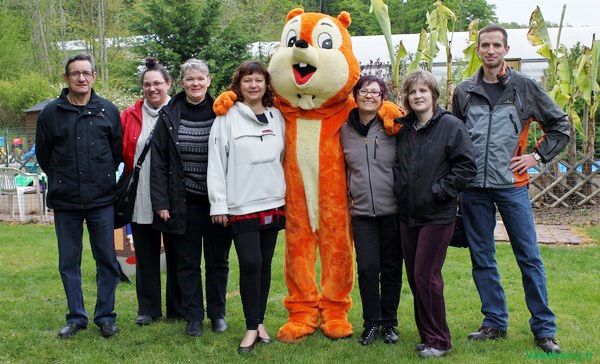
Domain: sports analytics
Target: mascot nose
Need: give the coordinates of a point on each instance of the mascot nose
(301, 43)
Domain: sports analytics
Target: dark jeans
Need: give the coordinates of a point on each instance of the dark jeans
(255, 251)
(479, 215)
(379, 261)
(147, 274)
(424, 249)
(69, 233)
(187, 253)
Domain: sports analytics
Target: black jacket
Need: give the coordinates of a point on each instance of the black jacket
(435, 164)
(167, 186)
(80, 151)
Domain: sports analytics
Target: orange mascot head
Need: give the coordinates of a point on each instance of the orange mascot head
(314, 66)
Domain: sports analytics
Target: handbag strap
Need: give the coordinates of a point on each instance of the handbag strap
(140, 161)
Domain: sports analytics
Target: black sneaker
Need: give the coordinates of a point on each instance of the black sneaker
(193, 328)
(70, 330)
(486, 333)
(369, 335)
(389, 335)
(548, 344)
(108, 329)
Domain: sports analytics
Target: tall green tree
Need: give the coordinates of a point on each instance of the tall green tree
(174, 31)
(15, 47)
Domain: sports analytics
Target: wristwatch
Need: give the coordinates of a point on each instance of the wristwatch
(537, 157)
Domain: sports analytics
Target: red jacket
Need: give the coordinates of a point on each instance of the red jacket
(131, 123)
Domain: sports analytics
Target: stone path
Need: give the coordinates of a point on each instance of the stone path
(546, 234)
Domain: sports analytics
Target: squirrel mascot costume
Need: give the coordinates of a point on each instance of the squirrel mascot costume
(312, 73)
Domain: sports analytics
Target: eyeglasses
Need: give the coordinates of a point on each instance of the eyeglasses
(363, 92)
(150, 84)
(76, 74)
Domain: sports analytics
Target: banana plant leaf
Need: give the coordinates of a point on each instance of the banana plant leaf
(471, 52)
(380, 9)
(419, 54)
(538, 32)
(438, 20)
(400, 54)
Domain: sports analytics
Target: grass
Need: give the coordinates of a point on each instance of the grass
(32, 308)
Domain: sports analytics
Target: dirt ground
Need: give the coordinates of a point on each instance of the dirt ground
(567, 216)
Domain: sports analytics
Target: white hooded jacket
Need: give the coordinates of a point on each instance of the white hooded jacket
(245, 172)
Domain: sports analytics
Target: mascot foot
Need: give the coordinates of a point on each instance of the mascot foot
(337, 329)
(294, 331)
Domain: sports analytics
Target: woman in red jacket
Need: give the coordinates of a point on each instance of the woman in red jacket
(138, 121)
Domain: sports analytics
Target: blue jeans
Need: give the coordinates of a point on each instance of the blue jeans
(479, 215)
(69, 233)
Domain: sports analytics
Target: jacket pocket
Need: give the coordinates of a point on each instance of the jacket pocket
(259, 148)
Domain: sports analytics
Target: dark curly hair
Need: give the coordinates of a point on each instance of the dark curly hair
(248, 68)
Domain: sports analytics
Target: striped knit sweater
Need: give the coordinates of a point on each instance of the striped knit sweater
(194, 129)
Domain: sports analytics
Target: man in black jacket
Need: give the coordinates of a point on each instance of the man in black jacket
(498, 105)
(78, 145)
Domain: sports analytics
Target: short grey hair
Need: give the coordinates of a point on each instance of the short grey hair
(193, 64)
(80, 57)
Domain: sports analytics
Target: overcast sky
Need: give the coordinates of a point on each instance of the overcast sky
(579, 12)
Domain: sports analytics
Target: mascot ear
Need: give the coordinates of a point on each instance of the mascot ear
(344, 18)
(293, 13)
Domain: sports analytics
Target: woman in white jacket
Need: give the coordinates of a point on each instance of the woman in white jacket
(246, 188)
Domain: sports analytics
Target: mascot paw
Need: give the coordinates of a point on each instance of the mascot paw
(337, 329)
(294, 331)
(224, 102)
(388, 112)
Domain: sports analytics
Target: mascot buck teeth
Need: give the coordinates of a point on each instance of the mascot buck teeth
(313, 72)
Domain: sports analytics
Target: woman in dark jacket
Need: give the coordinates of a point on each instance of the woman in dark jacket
(179, 198)
(370, 156)
(436, 162)
(137, 122)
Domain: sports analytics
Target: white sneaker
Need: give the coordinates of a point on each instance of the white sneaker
(428, 352)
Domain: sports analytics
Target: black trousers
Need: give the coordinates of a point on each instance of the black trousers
(255, 251)
(379, 261)
(147, 274)
(200, 233)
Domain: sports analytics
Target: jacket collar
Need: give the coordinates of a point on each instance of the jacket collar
(64, 102)
(354, 121)
(504, 78)
(247, 112)
(411, 119)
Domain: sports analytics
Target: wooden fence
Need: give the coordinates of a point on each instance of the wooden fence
(571, 188)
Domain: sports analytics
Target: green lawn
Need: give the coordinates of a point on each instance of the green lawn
(32, 308)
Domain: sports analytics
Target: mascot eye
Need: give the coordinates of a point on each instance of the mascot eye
(291, 38)
(324, 40)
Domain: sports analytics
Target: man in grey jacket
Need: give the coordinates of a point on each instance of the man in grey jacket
(498, 105)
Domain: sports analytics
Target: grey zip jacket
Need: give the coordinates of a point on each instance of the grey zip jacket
(370, 161)
(499, 133)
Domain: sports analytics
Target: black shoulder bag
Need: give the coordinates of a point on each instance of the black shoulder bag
(127, 189)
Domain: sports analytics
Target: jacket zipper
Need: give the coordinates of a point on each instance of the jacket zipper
(514, 124)
(375, 149)
(369, 172)
(487, 148)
